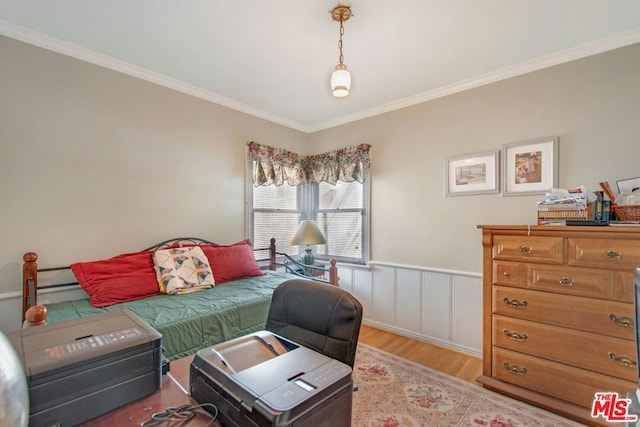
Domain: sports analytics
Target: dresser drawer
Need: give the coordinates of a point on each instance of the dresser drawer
(571, 280)
(528, 248)
(604, 253)
(509, 273)
(595, 283)
(609, 318)
(561, 381)
(607, 355)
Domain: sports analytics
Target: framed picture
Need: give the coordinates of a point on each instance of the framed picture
(628, 185)
(530, 167)
(472, 174)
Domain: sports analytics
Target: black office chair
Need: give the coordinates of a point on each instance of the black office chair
(321, 317)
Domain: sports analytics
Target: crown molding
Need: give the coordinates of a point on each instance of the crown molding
(59, 46)
(50, 43)
(567, 55)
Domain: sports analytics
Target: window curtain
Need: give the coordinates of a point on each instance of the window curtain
(275, 166)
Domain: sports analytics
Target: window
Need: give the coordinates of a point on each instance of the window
(341, 212)
(284, 188)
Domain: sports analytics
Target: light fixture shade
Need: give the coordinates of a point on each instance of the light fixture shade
(340, 81)
(308, 233)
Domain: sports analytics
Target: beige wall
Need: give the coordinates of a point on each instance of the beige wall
(593, 105)
(94, 162)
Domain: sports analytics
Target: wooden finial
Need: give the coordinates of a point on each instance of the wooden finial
(333, 273)
(30, 257)
(36, 316)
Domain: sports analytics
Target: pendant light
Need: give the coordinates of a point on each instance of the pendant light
(340, 78)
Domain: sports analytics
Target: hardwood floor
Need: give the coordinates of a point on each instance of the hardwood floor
(452, 362)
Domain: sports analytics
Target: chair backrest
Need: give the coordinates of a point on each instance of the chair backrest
(321, 317)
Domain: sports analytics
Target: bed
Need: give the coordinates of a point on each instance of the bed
(188, 321)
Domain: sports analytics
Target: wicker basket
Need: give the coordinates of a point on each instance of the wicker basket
(560, 216)
(627, 212)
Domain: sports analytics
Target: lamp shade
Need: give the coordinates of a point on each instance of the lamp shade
(340, 81)
(308, 233)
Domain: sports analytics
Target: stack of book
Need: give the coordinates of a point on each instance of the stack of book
(560, 205)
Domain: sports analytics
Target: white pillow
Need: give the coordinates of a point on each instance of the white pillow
(182, 270)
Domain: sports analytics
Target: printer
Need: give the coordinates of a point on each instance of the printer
(262, 379)
(80, 369)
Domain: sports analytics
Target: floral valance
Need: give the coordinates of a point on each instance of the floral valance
(275, 166)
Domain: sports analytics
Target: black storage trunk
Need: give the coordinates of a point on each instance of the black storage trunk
(83, 368)
(262, 379)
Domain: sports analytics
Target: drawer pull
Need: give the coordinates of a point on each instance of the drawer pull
(566, 281)
(624, 321)
(514, 303)
(514, 369)
(506, 274)
(513, 335)
(623, 360)
(612, 255)
(525, 250)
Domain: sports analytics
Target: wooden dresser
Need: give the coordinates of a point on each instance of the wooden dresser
(558, 314)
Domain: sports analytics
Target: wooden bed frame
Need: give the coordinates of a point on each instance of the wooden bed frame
(276, 259)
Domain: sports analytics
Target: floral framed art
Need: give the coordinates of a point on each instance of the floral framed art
(530, 167)
(472, 174)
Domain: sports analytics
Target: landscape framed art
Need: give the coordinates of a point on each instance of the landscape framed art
(473, 174)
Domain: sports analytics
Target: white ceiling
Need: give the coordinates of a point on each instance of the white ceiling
(273, 58)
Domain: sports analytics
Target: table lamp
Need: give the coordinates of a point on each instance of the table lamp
(308, 233)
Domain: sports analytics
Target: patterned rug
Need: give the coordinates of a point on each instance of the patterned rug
(394, 392)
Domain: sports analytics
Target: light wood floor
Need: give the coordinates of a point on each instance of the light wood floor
(452, 362)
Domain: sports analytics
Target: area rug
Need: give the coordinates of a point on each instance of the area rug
(394, 392)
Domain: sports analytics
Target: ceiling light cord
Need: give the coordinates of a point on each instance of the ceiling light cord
(340, 42)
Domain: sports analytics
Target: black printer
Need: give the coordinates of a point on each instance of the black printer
(262, 379)
(82, 368)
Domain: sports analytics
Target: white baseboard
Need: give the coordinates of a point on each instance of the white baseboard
(419, 337)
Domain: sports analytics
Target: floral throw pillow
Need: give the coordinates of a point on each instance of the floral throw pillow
(182, 270)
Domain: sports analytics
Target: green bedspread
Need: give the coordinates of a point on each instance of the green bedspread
(196, 320)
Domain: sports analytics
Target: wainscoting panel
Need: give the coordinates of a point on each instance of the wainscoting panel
(11, 304)
(384, 304)
(434, 305)
(409, 297)
(467, 311)
(358, 282)
(10, 311)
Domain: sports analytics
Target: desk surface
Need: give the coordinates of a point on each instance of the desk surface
(174, 393)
